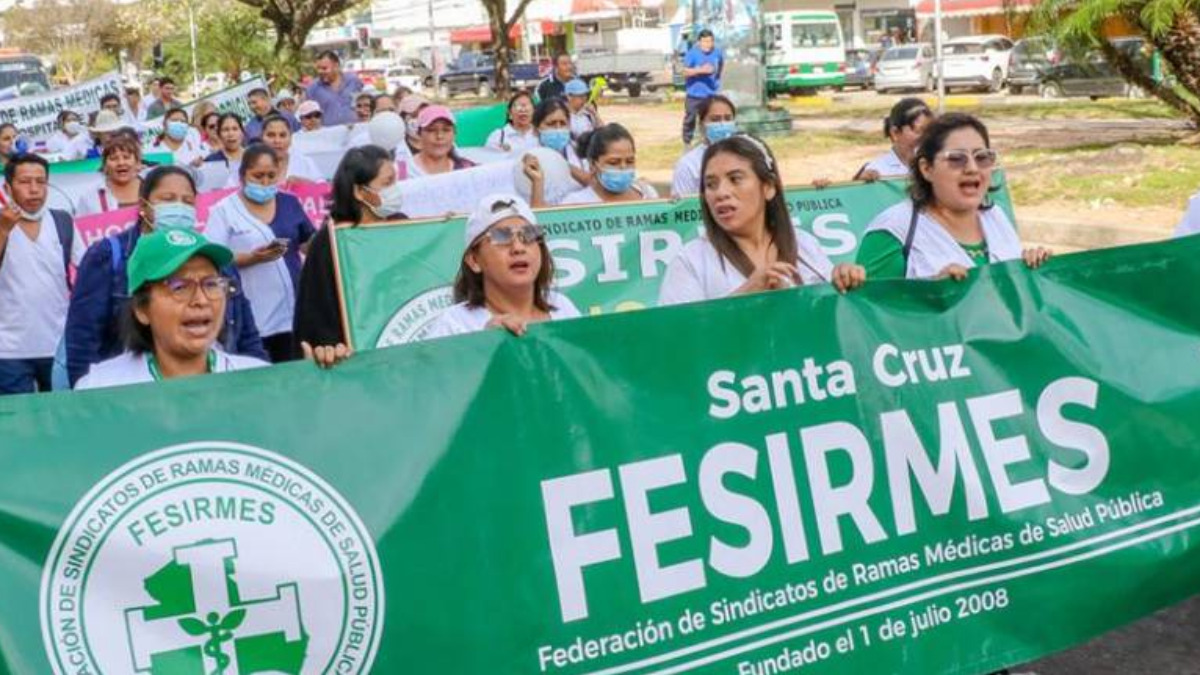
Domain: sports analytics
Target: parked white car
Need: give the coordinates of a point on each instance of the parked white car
(403, 76)
(905, 67)
(977, 61)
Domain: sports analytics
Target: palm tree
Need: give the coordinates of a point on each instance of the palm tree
(1170, 27)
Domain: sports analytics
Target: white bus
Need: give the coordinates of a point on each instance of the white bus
(804, 51)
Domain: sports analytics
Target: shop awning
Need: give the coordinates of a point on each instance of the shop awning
(483, 34)
(953, 9)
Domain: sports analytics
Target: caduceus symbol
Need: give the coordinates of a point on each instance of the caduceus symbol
(219, 631)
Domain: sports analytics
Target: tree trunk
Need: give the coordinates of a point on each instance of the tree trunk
(502, 83)
(1180, 48)
(1135, 75)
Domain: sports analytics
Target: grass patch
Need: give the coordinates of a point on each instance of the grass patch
(1124, 174)
(799, 143)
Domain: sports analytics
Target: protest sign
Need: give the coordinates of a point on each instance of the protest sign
(234, 99)
(36, 116)
(396, 278)
(939, 478)
(313, 197)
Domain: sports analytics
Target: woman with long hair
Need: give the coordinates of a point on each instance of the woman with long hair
(749, 243)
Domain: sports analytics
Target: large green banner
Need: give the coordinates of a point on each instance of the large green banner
(396, 278)
(925, 477)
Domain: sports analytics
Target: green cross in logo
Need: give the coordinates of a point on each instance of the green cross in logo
(201, 626)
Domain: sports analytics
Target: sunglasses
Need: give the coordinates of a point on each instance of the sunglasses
(311, 116)
(504, 236)
(984, 158)
(213, 288)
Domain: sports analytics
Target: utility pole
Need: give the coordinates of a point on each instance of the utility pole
(195, 62)
(937, 48)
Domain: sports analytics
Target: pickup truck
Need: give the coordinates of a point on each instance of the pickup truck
(475, 72)
(625, 71)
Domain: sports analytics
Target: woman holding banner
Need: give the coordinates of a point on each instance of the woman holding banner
(364, 191)
(505, 275)
(178, 297)
(518, 134)
(121, 162)
(612, 156)
(717, 117)
(180, 139)
(167, 201)
(948, 227)
(903, 127)
(230, 135)
(267, 231)
(436, 128)
(749, 243)
(293, 166)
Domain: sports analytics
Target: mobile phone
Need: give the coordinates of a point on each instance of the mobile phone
(280, 243)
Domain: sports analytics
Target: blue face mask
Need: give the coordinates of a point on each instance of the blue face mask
(556, 139)
(174, 216)
(260, 194)
(719, 131)
(177, 130)
(617, 181)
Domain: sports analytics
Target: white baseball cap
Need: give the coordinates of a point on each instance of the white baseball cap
(495, 208)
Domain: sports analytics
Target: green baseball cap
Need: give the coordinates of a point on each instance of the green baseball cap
(159, 254)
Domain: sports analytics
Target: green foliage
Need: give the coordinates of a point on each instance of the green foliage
(230, 39)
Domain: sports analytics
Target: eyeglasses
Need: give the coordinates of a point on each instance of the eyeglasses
(984, 158)
(183, 290)
(504, 236)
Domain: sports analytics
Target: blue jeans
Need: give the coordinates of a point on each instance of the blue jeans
(25, 376)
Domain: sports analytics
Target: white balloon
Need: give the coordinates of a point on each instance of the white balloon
(557, 172)
(386, 130)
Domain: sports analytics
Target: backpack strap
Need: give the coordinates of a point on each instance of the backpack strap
(66, 238)
(912, 231)
(103, 199)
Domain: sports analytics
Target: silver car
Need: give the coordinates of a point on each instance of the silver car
(905, 67)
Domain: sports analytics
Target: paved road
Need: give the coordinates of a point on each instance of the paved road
(1167, 643)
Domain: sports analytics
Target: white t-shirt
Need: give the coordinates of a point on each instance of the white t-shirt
(581, 123)
(888, 165)
(700, 273)
(129, 368)
(687, 173)
(58, 142)
(78, 147)
(189, 151)
(588, 194)
(1190, 224)
(91, 202)
(460, 319)
(268, 285)
(33, 292)
(517, 143)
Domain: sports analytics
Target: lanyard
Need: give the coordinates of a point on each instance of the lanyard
(156, 373)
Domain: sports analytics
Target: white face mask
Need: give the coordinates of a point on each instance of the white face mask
(391, 200)
(26, 215)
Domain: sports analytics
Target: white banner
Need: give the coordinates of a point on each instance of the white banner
(36, 116)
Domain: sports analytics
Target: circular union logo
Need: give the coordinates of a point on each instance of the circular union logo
(212, 558)
(414, 318)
